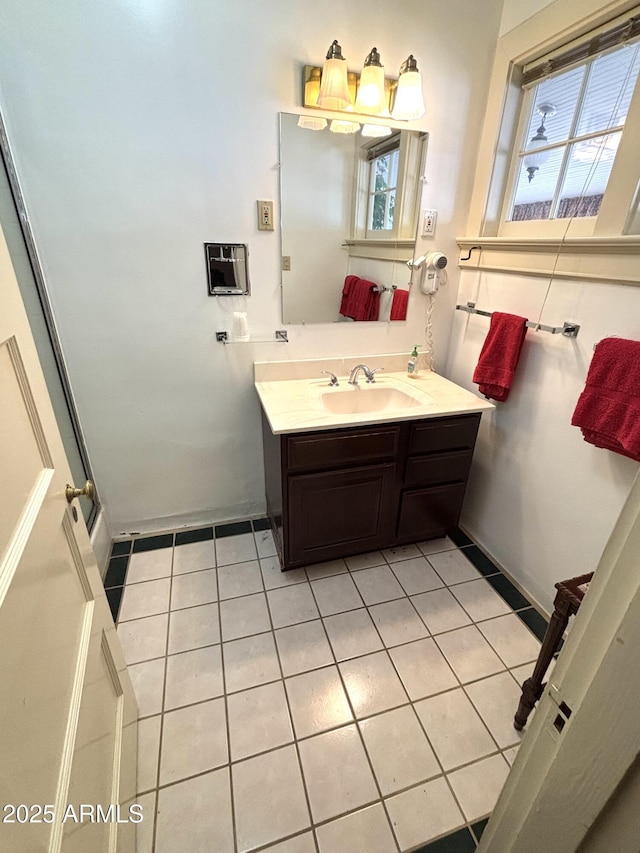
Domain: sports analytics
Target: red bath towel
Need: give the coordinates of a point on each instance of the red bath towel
(399, 305)
(608, 410)
(359, 300)
(499, 355)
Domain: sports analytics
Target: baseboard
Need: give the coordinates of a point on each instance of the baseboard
(101, 543)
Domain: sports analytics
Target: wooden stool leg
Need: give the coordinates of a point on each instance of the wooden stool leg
(533, 687)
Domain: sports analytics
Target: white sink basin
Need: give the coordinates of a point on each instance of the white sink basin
(352, 401)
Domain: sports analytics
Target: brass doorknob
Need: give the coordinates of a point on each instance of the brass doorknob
(88, 490)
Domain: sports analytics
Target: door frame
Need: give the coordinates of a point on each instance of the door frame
(562, 781)
(38, 276)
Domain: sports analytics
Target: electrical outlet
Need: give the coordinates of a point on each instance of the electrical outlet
(265, 216)
(429, 223)
(286, 263)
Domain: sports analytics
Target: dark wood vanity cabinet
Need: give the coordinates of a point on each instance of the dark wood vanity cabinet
(340, 492)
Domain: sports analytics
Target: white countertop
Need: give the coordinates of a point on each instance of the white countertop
(295, 405)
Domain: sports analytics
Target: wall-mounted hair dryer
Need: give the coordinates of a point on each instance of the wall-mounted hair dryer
(434, 273)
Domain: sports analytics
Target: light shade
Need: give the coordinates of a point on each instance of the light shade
(375, 130)
(312, 123)
(339, 126)
(334, 88)
(371, 98)
(409, 102)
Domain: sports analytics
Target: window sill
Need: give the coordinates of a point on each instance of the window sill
(605, 259)
(382, 250)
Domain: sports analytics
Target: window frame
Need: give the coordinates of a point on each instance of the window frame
(578, 226)
(396, 189)
(600, 250)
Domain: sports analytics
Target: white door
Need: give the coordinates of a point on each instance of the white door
(68, 717)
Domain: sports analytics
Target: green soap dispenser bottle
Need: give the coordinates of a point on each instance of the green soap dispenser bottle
(412, 365)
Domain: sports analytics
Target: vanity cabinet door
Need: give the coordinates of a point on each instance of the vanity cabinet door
(337, 513)
(429, 513)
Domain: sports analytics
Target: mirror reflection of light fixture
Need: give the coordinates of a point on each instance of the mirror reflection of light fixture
(371, 98)
(312, 122)
(334, 86)
(339, 126)
(535, 158)
(409, 103)
(375, 130)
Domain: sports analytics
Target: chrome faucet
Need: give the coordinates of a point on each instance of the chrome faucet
(370, 374)
(334, 378)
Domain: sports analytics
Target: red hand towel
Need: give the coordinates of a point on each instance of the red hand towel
(372, 299)
(608, 410)
(399, 305)
(359, 299)
(499, 355)
(347, 294)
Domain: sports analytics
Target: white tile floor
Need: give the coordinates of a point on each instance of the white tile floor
(360, 705)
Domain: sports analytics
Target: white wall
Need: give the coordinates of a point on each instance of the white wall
(517, 11)
(141, 130)
(541, 500)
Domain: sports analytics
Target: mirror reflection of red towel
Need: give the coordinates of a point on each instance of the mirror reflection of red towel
(399, 305)
(359, 300)
(499, 355)
(608, 410)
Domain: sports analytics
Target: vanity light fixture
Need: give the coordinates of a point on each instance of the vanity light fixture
(334, 86)
(409, 103)
(535, 158)
(372, 98)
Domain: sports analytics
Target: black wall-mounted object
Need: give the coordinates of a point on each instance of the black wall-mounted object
(227, 269)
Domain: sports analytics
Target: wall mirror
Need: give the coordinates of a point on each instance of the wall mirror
(348, 211)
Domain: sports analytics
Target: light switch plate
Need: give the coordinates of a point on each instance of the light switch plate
(265, 216)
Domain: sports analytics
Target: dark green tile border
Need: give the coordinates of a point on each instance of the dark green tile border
(509, 592)
(261, 524)
(234, 529)
(481, 561)
(114, 596)
(535, 621)
(479, 827)
(458, 842)
(152, 543)
(117, 572)
(459, 538)
(186, 537)
(121, 548)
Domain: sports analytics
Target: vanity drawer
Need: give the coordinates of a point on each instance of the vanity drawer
(427, 513)
(438, 468)
(458, 433)
(339, 448)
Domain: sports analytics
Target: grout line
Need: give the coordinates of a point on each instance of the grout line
(291, 722)
(226, 711)
(355, 722)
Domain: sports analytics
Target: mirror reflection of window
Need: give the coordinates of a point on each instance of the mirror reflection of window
(383, 183)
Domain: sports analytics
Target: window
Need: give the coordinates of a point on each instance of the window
(383, 182)
(573, 128)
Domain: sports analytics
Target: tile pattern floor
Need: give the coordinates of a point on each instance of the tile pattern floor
(358, 705)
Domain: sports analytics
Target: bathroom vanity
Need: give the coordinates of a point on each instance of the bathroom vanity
(355, 469)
